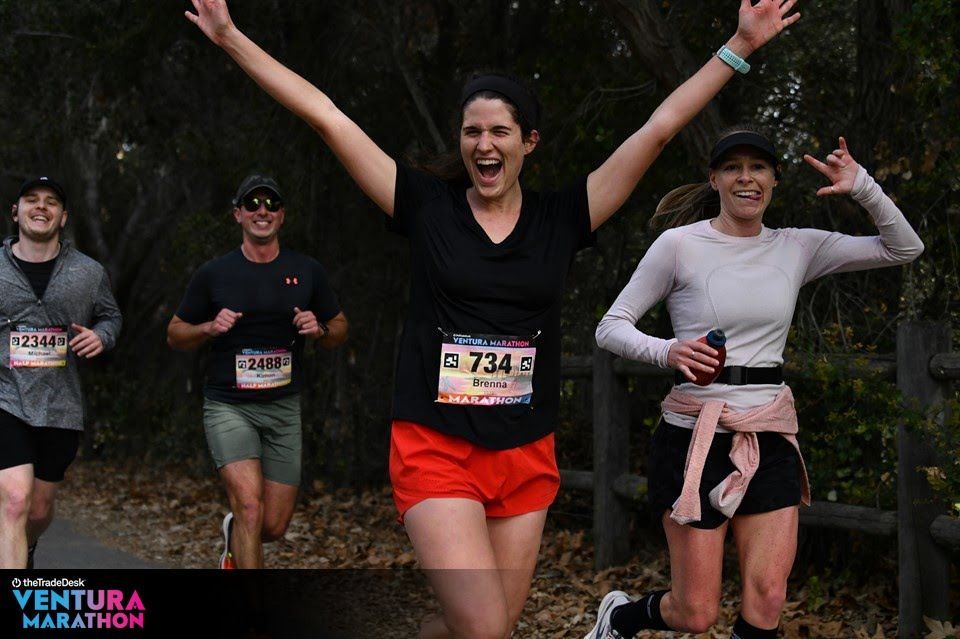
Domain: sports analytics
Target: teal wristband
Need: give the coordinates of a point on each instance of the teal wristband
(736, 62)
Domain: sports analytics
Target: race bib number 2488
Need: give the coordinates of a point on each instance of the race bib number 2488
(258, 368)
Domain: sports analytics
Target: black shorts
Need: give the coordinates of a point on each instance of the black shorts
(776, 485)
(50, 450)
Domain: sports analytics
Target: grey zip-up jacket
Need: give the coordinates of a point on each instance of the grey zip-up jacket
(79, 291)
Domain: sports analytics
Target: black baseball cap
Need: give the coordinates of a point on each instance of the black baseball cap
(254, 182)
(745, 138)
(47, 182)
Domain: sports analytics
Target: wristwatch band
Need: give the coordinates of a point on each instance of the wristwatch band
(736, 62)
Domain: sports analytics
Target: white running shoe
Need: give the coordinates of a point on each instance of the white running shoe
(602, 629)
(226, 559)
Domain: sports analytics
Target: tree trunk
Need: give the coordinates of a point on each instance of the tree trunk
(878, 109)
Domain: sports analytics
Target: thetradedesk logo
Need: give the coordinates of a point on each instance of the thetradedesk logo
(66, 604)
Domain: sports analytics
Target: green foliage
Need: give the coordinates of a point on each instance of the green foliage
(849, 420)
(930, 33)
(848, 425)
(942, 430)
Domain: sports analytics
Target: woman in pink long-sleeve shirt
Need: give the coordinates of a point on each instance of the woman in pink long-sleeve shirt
(731, 272)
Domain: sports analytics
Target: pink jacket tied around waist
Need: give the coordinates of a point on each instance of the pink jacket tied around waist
(777, 416)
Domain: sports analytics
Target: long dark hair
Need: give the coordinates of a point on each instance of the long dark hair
(691, 202)
(448, 166)
(685, 205)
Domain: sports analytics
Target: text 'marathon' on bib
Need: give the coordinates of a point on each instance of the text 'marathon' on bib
(486, 370)
(38, 346)
(260, 368)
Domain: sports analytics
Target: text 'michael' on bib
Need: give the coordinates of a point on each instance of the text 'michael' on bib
(259, 368)
(486, 370)
(38, 346)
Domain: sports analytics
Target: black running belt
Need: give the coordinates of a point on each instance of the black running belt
(741, 376)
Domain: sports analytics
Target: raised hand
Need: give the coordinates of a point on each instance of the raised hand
(223, 322)
(212, 17)
(840, 168)
(86, 343)
(761, 22)
(689, 355)
(307, 324)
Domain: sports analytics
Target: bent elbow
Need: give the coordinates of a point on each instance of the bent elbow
(917, 250)
(602, 334)
(174, 343)
(907, 254)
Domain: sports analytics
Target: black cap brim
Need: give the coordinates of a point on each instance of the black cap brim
(265, 187)
(47, 183)
(744, 138)
(253, 182)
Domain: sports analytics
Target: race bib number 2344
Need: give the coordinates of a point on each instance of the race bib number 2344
(38, 346)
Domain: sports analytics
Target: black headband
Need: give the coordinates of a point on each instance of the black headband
(514, 92)
(745, 138)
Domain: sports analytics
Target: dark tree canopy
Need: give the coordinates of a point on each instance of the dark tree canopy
(151, 127)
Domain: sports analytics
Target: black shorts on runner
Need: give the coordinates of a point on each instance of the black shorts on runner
(50, 450)
(776, 485)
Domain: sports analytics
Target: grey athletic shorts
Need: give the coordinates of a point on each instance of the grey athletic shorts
(268, 431)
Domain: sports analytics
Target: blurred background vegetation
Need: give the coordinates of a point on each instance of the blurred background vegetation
(151, 128)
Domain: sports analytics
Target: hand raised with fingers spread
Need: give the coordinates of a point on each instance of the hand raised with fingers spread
(840, 168)
(761, 22)
(86, 343)
(212, 17)
(689, 355)
(223, 322)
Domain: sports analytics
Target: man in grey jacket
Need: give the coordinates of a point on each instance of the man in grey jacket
(56, 309)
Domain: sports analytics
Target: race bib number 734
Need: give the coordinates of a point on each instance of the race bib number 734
(486, 370)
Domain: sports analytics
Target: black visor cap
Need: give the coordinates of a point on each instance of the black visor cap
(745, 138)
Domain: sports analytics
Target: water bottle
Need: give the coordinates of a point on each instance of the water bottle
(716, 340)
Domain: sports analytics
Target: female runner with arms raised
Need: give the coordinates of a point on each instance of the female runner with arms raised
(477, 387)
(725, 453)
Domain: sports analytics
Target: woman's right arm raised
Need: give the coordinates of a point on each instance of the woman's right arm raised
(374, 171)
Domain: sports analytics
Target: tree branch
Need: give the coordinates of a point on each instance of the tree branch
(661, 52)
(416, 94)
(48, 34)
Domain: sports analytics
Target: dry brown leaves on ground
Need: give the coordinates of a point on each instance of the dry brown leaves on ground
(168, 517)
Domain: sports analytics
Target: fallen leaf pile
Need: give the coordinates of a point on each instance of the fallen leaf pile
(173, 519)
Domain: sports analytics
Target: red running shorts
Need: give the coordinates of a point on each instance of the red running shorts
(425, 464)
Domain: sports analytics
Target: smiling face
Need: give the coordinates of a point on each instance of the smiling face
(259, 226)
(744, 179)
(492, 146)
(40, 214)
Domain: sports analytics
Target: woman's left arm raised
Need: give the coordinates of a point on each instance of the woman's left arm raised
(609, 186)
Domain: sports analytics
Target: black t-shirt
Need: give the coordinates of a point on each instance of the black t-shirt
(38, 274)
(463, 283)
(266, 294)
